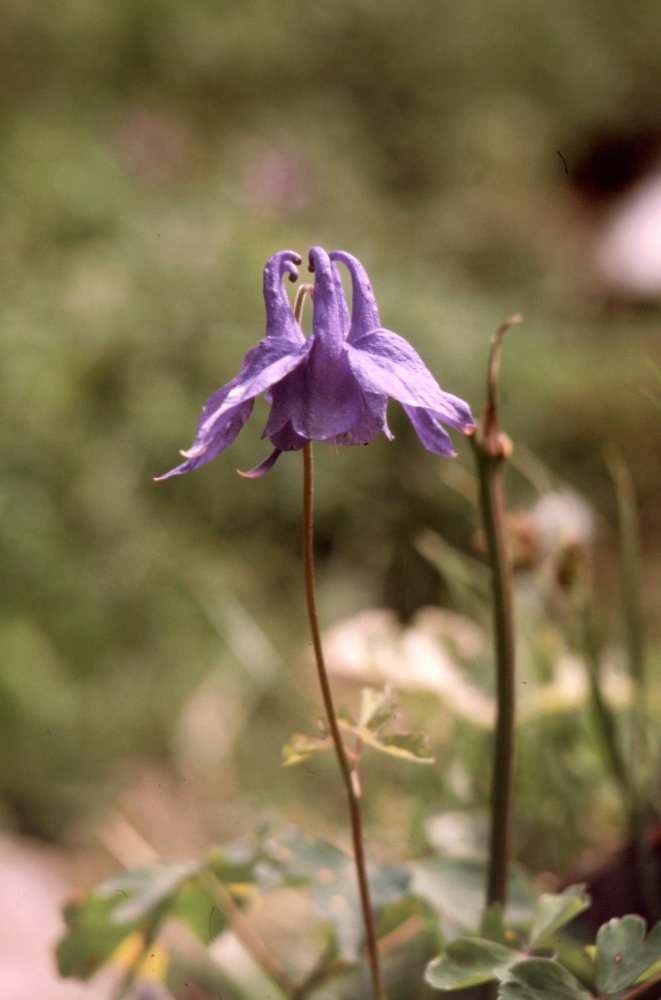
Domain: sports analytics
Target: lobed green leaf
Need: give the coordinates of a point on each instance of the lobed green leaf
(454, 886)
(624, 953)
(91, 936)
(407, 746)
(138, 891)
(540, 979)
(554, 911)
(376, 708)
(195, 906)
(469, 962)
(134, 900)
(301, 747)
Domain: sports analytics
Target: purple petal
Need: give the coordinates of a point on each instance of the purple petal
(321, 399)
(263, 467)
(328, 306)
(282, 349)
(341, 298)
(286, 438)
(285, 398)
(433, 436)
(223, 436)
(371, 422)
(379, 404)
(273, 357)
(367, 419)
(263, 366)
(280, 322)
(364, 310)
(384, 362)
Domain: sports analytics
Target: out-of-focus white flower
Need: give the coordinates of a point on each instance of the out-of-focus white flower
(562, 519)
(372, 647)
(629, 251)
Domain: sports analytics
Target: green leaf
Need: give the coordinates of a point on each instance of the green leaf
(301, 747)
(139, 891)
(376, 708)
(196, 907)
(300, 858)
(555, 911)
(236, 865)
(388, 883)
(540, 979)
(624, 953)
(91, 937)
(469, 962)
(336, 897)
(407, 746)
(135, 900)
(455, 888)
(393, 915)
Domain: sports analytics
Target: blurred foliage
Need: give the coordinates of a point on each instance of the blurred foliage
(124, 921)
(152, 156)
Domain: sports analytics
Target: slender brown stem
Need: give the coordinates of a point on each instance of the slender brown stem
(248, 937)
(642, 987)
(349, 774)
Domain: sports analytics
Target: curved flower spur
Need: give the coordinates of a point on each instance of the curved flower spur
(332, 385)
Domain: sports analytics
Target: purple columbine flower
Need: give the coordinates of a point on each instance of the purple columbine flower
(331, 386)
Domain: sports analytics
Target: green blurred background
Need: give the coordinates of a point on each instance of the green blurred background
(153, 154)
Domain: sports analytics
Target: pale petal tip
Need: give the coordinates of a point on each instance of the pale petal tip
(263, 467)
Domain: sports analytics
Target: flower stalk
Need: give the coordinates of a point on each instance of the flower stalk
(347, 770)
(332, 385)
(492, 447)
